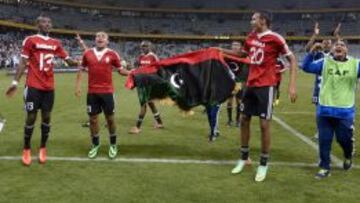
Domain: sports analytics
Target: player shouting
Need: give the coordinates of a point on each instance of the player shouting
(99, 62)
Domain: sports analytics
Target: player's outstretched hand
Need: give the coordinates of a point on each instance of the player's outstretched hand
(292, 94)
(78, 37)
(337, 30)
(316, 29)
(10, 92)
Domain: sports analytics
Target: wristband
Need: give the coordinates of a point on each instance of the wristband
(14, 83)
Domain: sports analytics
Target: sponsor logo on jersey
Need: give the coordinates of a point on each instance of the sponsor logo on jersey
(45, 46)
(145, 62)
(257, 43)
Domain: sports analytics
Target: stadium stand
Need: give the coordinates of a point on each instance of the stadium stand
(230, 24)
(168, 27)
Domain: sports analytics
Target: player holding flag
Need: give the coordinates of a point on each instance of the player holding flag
(38, 52)
(147, 57)
(100, 62)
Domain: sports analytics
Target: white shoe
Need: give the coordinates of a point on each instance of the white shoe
(261, 173)
(239, 166)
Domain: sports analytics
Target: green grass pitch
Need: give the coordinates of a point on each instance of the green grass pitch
(182, 138)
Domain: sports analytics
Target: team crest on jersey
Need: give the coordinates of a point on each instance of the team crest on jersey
(107, 59)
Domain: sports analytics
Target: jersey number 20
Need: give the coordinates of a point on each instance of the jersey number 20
(256, 55)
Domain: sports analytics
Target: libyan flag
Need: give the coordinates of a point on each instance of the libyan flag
(196, 78)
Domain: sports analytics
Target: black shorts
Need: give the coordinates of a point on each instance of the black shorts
(96, 103)
(36, 99)
(258, 101)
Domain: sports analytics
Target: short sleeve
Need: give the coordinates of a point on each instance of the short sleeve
(26, 48)
(282, 46)
(84, 62)
(60, 52)
(245, 48)
(156, 58)
(116, 62)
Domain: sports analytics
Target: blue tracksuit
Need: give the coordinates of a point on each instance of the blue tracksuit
(316, 90)
(212, 112)
(331, 120)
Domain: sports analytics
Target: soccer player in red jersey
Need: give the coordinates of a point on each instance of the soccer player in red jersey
(99, 62)
(146, 58)
(37, 54)
(263, 46)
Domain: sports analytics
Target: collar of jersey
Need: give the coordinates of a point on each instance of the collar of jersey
(43, 36)
(260, 35)
(346, 58)
(150, 53)
(99, 53)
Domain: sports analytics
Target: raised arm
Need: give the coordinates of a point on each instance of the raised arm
(337, 32)
(81, 42)
(313, 37)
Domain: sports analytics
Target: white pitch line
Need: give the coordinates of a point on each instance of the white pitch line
(304, 138)
(312, 113)
(295, 112)
(165, 161)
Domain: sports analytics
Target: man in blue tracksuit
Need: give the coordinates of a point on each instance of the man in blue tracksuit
(336, 105)
(321, 52)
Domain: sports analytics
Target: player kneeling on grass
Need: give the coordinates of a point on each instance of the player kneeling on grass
(336, 106)
(37, 56)
(100, 62)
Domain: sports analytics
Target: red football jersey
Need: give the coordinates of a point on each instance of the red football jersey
(100, 65)
(263, 50)
(40, 51)
(147, 59)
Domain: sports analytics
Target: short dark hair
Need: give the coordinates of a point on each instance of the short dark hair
(265, 15)
(41, 16)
